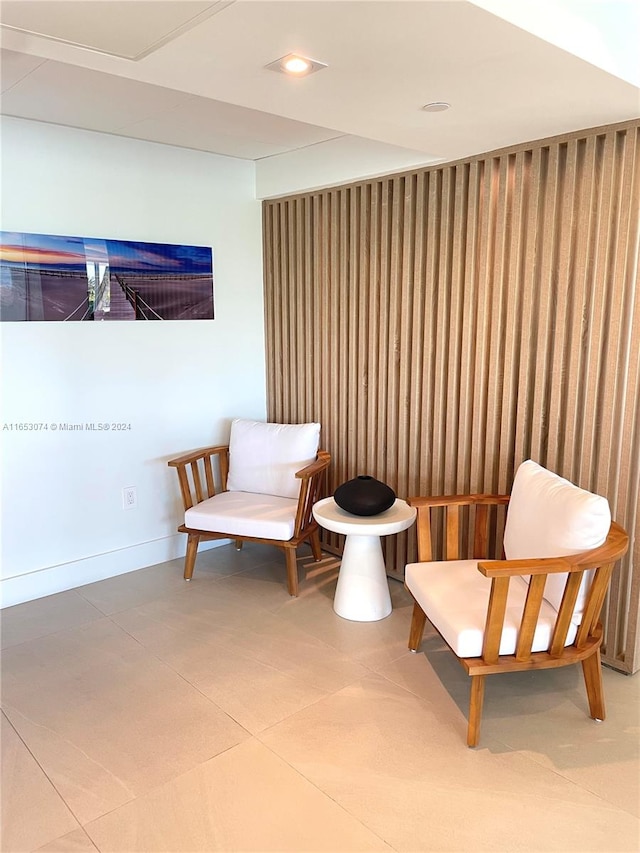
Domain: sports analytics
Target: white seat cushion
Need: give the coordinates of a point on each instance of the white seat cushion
(264, 457)
(550, 517)
(455, 596)
(245, 514)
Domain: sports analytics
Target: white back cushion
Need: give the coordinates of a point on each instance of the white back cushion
(550, 517)
(264, 458)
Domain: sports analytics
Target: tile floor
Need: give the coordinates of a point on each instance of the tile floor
(142, 713)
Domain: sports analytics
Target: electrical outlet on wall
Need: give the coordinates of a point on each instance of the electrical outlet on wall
(129, 497)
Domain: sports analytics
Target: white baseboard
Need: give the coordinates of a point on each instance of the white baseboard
(47, 581)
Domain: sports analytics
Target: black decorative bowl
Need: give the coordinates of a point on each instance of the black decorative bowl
(364, 495)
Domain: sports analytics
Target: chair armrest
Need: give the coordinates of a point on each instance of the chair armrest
(517, 568)
(574, 566)
(612, 549)
(195, 455)
(315, 467)
(195, 467)
(312, 477)
(457, 500)
(452, 505)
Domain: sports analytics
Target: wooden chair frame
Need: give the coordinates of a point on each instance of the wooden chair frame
(203, 474)
(586, 646)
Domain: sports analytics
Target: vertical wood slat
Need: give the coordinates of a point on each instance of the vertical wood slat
(496, 610)
(445, 324)
(481, 532)
(208, 473)
(565, 612)
(197, 482)
(530, 617)
(453, 533)
(423, 524)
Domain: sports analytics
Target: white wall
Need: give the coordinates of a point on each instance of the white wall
(177, 383)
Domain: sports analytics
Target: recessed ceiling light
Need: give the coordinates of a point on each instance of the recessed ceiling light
(296, 65)
(436, 107)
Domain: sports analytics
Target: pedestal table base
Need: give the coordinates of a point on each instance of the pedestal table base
(362, 593)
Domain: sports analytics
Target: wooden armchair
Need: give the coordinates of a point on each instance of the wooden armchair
(539, 608)
(259, 488)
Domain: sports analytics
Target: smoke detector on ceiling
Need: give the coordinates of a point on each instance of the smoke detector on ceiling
(436, 107)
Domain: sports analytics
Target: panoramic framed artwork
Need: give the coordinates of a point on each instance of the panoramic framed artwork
(50, 277)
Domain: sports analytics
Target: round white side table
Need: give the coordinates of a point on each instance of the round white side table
(362, 593)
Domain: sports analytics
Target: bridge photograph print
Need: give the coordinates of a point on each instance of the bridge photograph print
(50, 277)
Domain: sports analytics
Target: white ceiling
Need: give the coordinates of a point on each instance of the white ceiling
(193, 74)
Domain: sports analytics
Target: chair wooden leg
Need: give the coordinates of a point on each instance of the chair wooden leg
(475, 709)
(238, 544)
(315, 545)
(592, 671)
(193, 541)
(292, 571)
(417, 627)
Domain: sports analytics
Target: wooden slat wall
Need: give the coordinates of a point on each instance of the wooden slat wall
(445, 324)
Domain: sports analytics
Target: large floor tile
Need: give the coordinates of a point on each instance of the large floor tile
(265, 584)
(74, 842)
(294, 651)
(44, 616)
(389, 759)
(266, 563)
(32, 813)
(245, 800)
(259, 672)
(228, 560)
(203, 609)
(543, 715)
(253, 693)
(225, 614)
(143, 586)
(550, 723)
(134, 588)
(141, 722)
(105, 719)
(373, 644)
(438, 680)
